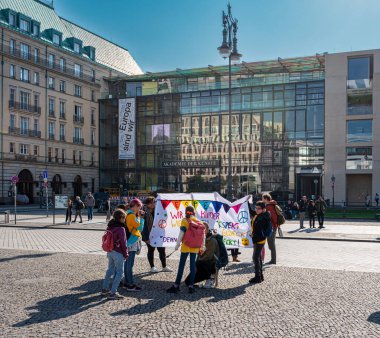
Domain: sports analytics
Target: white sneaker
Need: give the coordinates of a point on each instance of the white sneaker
(66, 223)
(153, 270)
(166, 269)
(209, 284)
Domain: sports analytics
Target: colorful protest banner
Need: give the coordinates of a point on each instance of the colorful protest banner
(231, 220)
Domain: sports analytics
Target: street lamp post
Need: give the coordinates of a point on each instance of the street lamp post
(316, 189)
(228, 49)
(333, 189)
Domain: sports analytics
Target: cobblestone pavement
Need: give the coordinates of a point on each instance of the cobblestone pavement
(350, 256)
(57, 295)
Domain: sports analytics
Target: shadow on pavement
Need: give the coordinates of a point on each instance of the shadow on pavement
(65, 306)
(24, 256)
(374, 317)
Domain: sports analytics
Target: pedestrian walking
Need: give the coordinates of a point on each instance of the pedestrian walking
(78, 206)
(377, 200)
(69, 212)
(191, 240)
(321, 206)
(117, 256)
(260, 227)
(108, 209)
(368, 201)
(149, 207)
(90, 203)
(270, 206)
(135, 224)
(302, 206)
(311, 211)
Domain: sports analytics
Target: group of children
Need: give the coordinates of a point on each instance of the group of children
(195, 240)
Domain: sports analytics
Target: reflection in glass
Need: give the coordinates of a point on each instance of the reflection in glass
(359, 158)
(359, 131)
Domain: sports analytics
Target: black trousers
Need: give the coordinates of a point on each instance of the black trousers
(161, 253)
(312, 220)
(203, 271)
(321, 218)
(257, 259)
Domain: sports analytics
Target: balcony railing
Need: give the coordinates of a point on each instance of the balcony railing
(24, 132)
(24, 107)
(359, 84)
(51, 113)
(62, 116)
(40, 60)
(78, 119)
(62, 138)
(78, 140)
(51, 136)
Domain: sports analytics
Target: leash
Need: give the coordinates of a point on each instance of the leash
(170, 254)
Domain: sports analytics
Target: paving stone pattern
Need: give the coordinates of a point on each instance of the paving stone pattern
(57, 295)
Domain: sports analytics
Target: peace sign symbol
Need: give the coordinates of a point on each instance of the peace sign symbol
(243, 216)
(162, 223)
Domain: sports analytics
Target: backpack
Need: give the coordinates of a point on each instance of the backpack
(280, 216)
(107, 241)
(268, 231)
(223, 255)
(194, 235)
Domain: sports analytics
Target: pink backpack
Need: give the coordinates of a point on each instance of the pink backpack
(107, 241)
(194, 235)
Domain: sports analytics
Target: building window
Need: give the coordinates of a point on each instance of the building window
(80, 157)
(62, 64)
(24, 25)
(36, 29)
(24, 149)
(36, 103)
(76, 47)
(74, 157)
(36, 55)
(12, 97)
(12, 71)
(56, 155)
(77, 113)
(24, 125)
(92, 117)
(63, 155)
(12, 46)
(78, 91)
(359, 104)
(93, 75)
(51, 107)
(92, 159)
(360, 70)
(24, 74)
(51, 130)
(56, 39)
(62, 109)
(12, 122)
(77, 70)
(51, 82)
(50, 153)
(24, 100)
(359, 131)
(12, 20)
(77, 135)
(51, 60)
(36, 127)
(61, 132)
(24, 51)
(35, 150)
(93, 95)
(359, 158)
(92, 137)
(62, 86)
(11, 147)
(36, 78)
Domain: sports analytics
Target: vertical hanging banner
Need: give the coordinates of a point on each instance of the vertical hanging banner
(231, 220)
(127, 129)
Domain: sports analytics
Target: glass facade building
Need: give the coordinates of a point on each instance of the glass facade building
(182, 119)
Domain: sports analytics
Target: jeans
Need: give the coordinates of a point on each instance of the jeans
(293, 212)
(128, 268)
(272, 245)
(161, 253)
(321, 218)
(181, 267)
(257, 259)
(68, 215)
(302, 218)
(90, 212)
(115, 262)
(312, 221)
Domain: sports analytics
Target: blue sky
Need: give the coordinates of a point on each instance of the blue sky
(168, 34)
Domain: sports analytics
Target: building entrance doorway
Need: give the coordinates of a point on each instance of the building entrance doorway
(308, 185)
(25, 184)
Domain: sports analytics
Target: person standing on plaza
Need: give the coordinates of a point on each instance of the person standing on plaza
(302, 206)
(311, 211)
(260, 227)
(117, 256)
(270, 206)
(194, 228)
(69, 212)
(368, 201)
(108, 208)
(78, 205)
(135, 224)
(321, 206)
(295, 209)
(149, 207)
(377, 200)
(90, 202)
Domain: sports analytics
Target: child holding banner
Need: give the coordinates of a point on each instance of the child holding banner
(192, 237)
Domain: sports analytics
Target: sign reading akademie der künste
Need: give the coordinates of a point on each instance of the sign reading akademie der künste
(127, 125)
(191, 164)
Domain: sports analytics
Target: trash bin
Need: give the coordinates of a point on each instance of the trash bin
(6, 216)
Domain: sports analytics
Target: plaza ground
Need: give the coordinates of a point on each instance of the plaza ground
(51, 278)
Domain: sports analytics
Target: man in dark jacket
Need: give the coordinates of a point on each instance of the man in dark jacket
(270, 206)
(260, 224)
(149, 206)
(321, 206)
(117, 256)
(302, 207)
